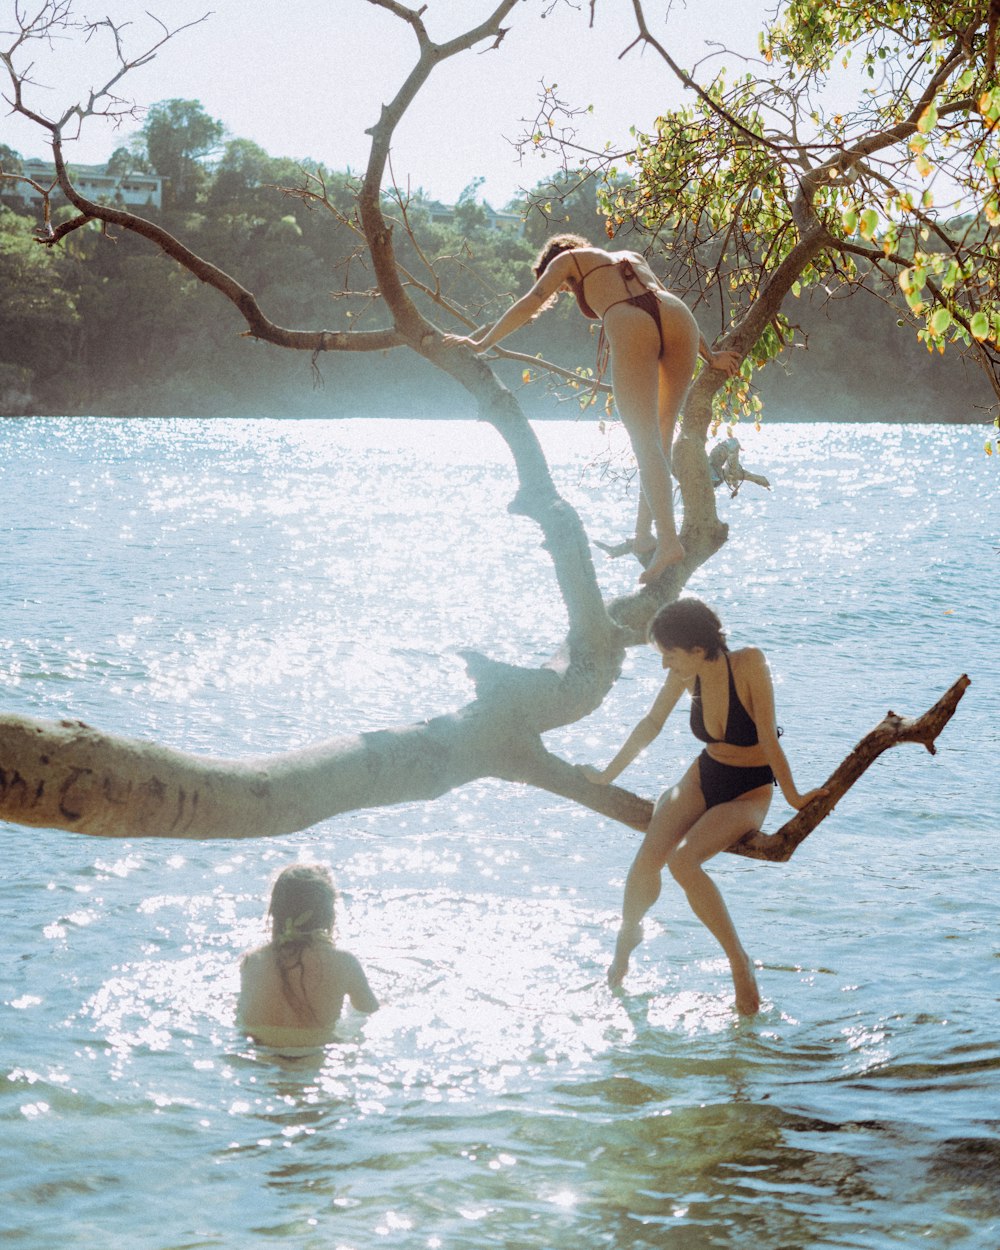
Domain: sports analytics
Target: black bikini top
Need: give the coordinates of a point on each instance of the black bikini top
(628, 275)
(740, 728)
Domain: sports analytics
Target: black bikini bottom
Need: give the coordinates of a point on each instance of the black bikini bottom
(645, 300)
(648, 302)
(721, 783)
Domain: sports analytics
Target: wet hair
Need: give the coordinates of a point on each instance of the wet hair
(554, 247)
(686, 624)
(301, 910)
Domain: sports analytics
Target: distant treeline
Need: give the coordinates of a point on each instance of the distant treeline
(104, 326)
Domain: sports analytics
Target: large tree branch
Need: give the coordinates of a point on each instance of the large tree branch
(66, 775)
(259, 326)
(591, 631)
(893, 730)
(551, 773)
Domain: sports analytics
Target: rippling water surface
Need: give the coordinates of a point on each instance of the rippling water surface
(242, 587)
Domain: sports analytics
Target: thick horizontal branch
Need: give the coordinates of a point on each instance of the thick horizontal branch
(67, 775)
(557, 776)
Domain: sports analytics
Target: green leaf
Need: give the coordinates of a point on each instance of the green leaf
(980, 326)
(940, 321)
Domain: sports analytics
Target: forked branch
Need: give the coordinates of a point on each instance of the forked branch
(780, 845)
(553, 774)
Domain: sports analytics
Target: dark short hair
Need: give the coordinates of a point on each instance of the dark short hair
(554, 247)
(688, 623)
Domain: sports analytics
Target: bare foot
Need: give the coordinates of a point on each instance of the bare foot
(667, 552)
(628, 940)
(747, 993)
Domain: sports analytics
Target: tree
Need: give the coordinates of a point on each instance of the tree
(125, 161)
(761, 193)
(39, 309)
(10, 161)
(178, 134)
(77, 778)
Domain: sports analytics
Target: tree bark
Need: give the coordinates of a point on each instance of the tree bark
(555, 775)
(66, 775)
(780, 845)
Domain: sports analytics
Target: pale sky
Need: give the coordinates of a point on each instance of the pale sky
(305, 78)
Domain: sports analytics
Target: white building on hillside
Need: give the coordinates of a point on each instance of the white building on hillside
(94, 182)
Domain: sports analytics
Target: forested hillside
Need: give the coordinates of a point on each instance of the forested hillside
(108, 326)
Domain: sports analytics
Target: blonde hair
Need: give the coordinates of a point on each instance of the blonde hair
(301, 909)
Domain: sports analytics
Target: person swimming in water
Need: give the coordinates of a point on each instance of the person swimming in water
(653, 343)
(292, 989)
(725, 793)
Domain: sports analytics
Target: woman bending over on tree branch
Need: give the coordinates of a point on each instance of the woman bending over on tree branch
(725, 793)
(653, 343)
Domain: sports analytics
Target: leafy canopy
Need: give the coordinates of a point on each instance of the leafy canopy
(898, 189)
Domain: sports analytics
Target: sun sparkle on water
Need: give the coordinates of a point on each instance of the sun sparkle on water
(223, 587)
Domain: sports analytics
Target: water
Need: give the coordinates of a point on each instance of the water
(241, 587)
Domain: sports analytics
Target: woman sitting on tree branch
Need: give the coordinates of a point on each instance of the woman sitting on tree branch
(653, 342)
(724, 794)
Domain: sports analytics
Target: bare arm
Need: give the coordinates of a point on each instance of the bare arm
(643, 734)
(518, 314)
(762, 711)
(358, 990)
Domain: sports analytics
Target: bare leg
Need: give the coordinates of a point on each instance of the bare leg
(635, 368)
(677, 810)
(676, 367)
(718, 828)
(644, 540)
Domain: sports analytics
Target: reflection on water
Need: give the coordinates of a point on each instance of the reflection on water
(237, 587)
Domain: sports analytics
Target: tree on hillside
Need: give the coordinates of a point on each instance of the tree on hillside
(177, 135)
(10, 161)
(73, 777)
